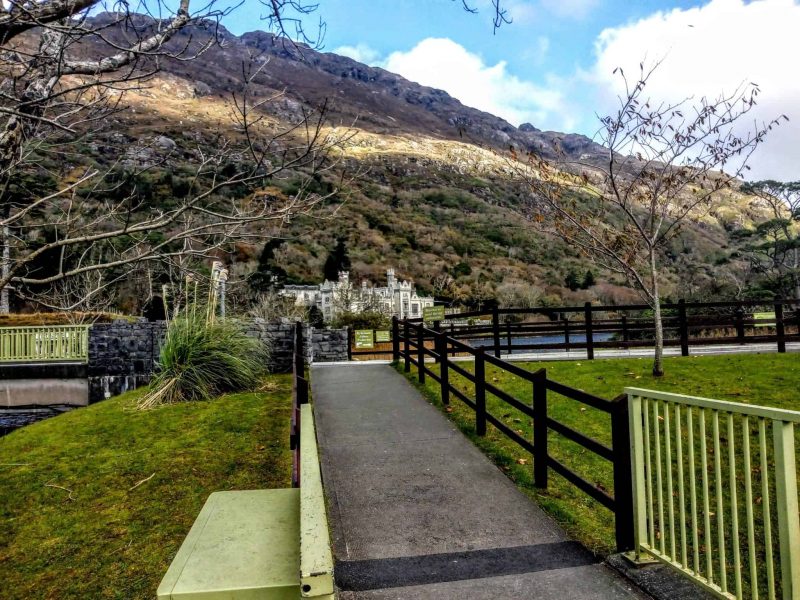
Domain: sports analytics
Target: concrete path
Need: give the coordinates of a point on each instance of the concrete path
(419, 512)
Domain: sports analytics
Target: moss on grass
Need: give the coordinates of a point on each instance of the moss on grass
(130, 484)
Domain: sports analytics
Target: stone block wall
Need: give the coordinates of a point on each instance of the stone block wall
(123, 355)
(279, 337)
(329, 345)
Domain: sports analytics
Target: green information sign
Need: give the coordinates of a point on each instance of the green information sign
(364, 338)
(433, 313)
(383, 336)
(765, 316)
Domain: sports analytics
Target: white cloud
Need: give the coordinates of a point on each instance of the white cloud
(360, 52)
(712, 49)
(442, 63)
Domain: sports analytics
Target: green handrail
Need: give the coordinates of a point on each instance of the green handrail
(723, 537)
(44, 344)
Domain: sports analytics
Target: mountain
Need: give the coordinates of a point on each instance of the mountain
(434, 196)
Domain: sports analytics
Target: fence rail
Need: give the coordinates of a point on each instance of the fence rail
(44, 344)
(591, 327)
(707, 487)
(414, 345)
(696, 513)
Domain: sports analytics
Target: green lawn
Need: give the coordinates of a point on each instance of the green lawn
(95, 503)
(770, 379)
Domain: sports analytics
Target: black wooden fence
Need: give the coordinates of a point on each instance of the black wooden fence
(410, 348)
(686, 324)
(299, 397)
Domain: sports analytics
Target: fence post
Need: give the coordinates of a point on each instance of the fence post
(349, 344)
(623, 482)
(421, 353)
(566, 332)
(684, 327)
(740, 324)
(480, 392)
(540, 458)
(625, 336)
(786, 500)
(437, 327)
(587, 318)
(300, 365)
(508, 336)
(780, 330)
(406, 348)
(637, 483)
(496, 330)
(444, 374)
(298, 349)
(395, 340)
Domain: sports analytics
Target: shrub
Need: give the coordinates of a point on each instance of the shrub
(200, 360)
(363, 320)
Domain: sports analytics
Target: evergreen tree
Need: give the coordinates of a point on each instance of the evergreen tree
(572, 281)
(338, 260)
(268, 275)
(588, 280)
(315, 318)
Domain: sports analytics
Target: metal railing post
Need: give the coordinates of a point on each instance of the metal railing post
(638, 489)
(623, 490)
(349, 344)
(540, 457)
(480, 392)
(786, 498)
(566, 333)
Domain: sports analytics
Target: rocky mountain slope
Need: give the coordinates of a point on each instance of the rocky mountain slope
(433, 196)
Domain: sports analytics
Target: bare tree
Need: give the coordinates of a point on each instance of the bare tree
(664, 163)
(774, 246)
(94, 218)
(65, 71)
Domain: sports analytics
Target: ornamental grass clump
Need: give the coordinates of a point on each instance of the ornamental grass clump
(201, 359)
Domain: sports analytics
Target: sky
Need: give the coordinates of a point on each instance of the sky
(553, 66)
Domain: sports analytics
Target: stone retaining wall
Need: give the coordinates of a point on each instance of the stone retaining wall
(329, 345)
(123, 355)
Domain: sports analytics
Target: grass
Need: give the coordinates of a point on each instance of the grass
(769, 379)
(95, 503)
(200, 360)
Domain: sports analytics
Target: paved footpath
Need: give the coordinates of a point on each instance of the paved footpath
(419, 512)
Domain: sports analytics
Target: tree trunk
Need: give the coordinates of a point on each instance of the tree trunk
(796, 272)
(658, 368)
(5, 263)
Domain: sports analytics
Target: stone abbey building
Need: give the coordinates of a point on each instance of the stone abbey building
(398, 298)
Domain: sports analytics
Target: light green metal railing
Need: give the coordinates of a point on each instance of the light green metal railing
(44, 344)
(709, 487)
